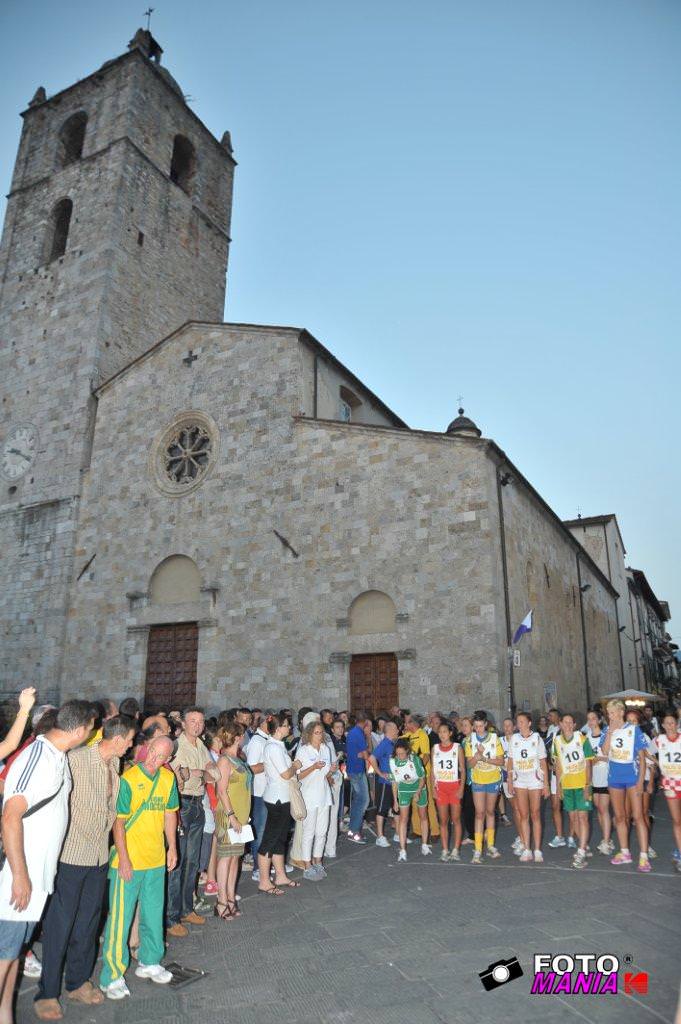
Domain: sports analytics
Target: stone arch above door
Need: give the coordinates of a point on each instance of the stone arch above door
(175, 580)
(372, 612)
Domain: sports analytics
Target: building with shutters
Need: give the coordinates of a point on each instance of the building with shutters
(193, 510)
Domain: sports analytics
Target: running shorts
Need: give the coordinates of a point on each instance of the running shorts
(405, 795)
(486, 787)
(384, 804)
(448, 793)
(573, 800)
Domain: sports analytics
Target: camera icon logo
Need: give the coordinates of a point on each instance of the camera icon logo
(500, 973)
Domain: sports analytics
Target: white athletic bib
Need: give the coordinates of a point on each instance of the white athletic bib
(622, 745)
(526, 753)
(446, 764)
(489, 745)
(670, 756)
(571, 754)
(599, 772)
(403, 773)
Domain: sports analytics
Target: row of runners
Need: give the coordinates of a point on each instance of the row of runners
(601, 767)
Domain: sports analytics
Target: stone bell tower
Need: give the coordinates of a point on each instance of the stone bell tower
(116, 233)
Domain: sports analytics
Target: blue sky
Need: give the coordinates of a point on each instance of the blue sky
(468, 197)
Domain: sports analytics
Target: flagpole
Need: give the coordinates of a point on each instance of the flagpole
(507, 608)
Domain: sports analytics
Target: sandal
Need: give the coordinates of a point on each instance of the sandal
(273, 891)
(289, 884)
(235, 912)
(48, 1009)
(226, 913)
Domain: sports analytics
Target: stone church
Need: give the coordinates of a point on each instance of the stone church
(222, 512)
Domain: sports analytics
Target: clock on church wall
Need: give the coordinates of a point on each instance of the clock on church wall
(184, 453)
(19, 450)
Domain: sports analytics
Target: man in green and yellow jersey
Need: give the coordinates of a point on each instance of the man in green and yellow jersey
(146, 824)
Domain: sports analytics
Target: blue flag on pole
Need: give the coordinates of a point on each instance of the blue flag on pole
(524, 627)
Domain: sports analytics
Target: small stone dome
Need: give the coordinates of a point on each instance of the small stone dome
(463, 426)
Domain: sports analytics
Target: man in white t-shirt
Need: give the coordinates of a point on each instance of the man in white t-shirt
(34, 820)
(254, 759)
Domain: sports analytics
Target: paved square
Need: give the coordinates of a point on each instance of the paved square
(380, 942)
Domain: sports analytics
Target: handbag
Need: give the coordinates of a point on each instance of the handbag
(298, 808)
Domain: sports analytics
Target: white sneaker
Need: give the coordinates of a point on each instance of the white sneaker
(116, 990)
(402, 855)
(557, 841)
(382, 842)
(493, 852)
(454, 855)
(519, 850)
(579, 860)
(526, 856)
(517, 844)
(288, 868)
(444, 856)
(651, 854)
(154, 972)
(538, 857)
(477, 857)
(32, 966)
(425, 850)
(603, 847)
(255, 876)
(572, 843)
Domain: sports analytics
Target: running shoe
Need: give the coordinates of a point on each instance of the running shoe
(116, 990)
(644, 864)
(621, 858)
(505, 820)
(319, 868)
(210, 889)
(288, 868)
(444, 856)
(526, 857)
(676, 855)
(154, 972)
(467, 841)
(519, 850)
(311, 875)
(32, 966)
(477, 857)
(572, 843)
(517, 845)
(579, 860)
(651, 853)
(248, 860)
(396, 839)
(402, 855)
(604, 848)
(557, 841)
(677, 865)
(356, 837)
(454, 855)
(493, 852)
(202, 906)
(382, 842)
(538, 857)
(255, 876)
(425, 850)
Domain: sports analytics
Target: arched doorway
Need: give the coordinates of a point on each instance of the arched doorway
(172, 647)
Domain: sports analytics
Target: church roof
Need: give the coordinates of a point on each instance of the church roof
(463, 425)
(596, 521)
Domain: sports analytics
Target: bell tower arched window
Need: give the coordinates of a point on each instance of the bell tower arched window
(71, 139)
(183, 163)
(58, 233)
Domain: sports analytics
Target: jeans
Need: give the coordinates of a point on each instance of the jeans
(258, 819)
(182, 881)
(359, 799)
(70, 928)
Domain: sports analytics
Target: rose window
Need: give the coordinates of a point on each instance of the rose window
(187, 455)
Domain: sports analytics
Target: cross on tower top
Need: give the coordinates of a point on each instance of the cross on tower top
(147, 14)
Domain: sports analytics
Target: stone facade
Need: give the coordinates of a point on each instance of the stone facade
(365, 507)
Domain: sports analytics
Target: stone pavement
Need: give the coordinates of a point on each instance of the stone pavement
(383, 943)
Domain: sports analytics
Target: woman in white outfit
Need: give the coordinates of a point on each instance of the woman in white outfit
(315, 775)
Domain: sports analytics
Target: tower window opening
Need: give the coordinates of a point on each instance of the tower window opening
(183, 163)
(59, 229)
(71, 139)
